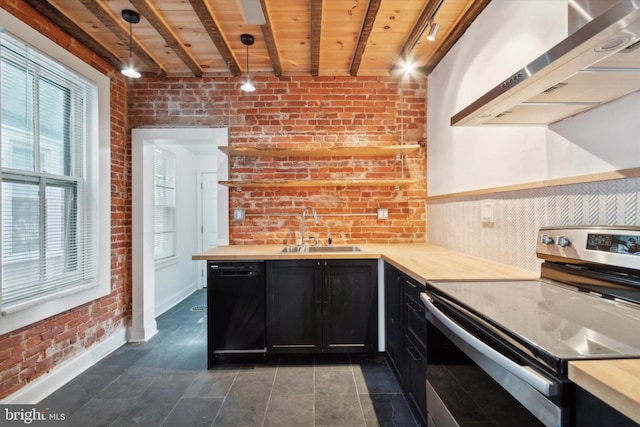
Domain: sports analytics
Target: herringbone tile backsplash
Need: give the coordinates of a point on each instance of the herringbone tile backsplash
(510, 239)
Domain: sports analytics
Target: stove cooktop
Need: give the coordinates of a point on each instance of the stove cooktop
(552, 318)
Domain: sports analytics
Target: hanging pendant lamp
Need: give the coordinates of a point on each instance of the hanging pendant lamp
(247, 85)
(132, 17)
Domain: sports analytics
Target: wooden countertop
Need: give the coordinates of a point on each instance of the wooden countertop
(615, 382)
(421, 261)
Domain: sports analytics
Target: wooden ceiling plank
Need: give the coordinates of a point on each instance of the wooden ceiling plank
(315, 30)
(347, 37)
(209, 22)
(363, 37)
(270, 41)
(116, 28)
(67, 25)
(154, 18)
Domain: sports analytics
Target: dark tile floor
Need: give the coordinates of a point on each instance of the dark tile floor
(165, 382)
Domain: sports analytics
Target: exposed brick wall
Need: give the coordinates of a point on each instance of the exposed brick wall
(305, 111)
(32, 351)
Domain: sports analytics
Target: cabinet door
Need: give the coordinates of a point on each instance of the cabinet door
(350, 309)
(294, 306)
(394, 317)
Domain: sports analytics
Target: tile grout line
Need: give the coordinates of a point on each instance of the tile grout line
(264, 417)
(164, 420)
(224, 399)
(353, 377)
(315, 394)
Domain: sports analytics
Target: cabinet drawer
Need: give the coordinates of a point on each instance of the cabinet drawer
(417, 324)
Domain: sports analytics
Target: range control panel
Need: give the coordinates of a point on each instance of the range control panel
(618, 246)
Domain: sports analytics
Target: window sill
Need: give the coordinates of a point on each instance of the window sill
(166, 262)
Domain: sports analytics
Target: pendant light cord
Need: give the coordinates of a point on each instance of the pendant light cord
(247, 62)
(130, 42)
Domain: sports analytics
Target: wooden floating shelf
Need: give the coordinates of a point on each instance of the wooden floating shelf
(350, 151)
(321, 183)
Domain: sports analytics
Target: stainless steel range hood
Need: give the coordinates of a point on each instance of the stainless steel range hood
(596, 64)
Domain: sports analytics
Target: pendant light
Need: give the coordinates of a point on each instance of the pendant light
(132, 17)
(247, 40)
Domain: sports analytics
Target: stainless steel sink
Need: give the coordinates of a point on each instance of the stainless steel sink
(320, 249)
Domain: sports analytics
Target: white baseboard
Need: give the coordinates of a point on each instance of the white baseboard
(46, 384)
(180, 295)
(141, 334)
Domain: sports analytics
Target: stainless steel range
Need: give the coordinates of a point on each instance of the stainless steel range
(522, 334)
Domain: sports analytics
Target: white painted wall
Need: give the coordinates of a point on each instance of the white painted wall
(506, 36)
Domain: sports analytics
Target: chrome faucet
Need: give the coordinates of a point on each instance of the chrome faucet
(315, 221)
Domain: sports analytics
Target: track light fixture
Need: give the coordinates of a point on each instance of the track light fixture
(433, 31)
(247, 40)
(132, 17)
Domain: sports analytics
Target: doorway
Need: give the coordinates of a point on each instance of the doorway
(202, 143)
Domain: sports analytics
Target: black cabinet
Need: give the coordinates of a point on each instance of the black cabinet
(294, 309)
(591, 411)
(322, 305)
(394, 320)
(406, 333)
(415, 342)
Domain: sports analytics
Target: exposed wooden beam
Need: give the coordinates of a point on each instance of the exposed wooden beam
(114, 24)
(315, 30)
(430, 9)
(154, 18)
(270, 41)
(365, 32)
(475, 8)
(207, 19)
(53, 14)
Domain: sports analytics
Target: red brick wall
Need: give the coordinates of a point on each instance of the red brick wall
(304, 111)
(34, 350)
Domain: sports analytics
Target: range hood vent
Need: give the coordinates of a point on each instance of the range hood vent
(598, 63)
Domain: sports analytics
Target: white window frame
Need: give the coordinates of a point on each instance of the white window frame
(173, 258)
(100, 168)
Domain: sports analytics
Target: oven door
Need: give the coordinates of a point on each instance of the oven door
(469, 381)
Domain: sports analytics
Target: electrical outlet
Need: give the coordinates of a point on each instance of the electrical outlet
(383, 213)
(486, 213)
(238, 214)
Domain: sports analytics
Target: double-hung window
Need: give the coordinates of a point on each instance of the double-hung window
(50, 222)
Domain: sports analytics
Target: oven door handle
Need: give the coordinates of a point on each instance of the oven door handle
(535, 380)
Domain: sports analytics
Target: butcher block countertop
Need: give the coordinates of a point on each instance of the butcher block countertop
(615, 382)
(421, 261)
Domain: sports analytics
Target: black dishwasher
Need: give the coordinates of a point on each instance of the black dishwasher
(235, 308)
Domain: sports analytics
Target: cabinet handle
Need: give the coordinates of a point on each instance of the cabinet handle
(412, 352)
(414, 307)
(410, 283)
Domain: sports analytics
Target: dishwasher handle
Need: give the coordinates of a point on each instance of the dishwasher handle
(223, 273)
(538, 382)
